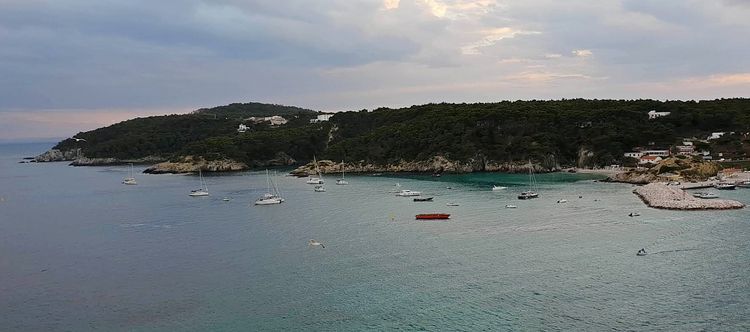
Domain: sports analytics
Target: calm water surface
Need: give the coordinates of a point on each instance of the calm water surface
(79, 251)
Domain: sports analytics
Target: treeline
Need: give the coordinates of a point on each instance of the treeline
(568, 132)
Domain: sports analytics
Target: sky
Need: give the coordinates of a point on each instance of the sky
(73, 65)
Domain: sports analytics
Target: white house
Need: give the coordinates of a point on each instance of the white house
(716, 135)
(660, 153)
(636, 155)
(243, 128)
(654, 114)
(649, 160)
(685, 150)
(273, 120)
(321, 118)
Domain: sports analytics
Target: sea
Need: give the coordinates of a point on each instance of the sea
(79, 251)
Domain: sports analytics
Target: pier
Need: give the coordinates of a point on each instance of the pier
(661, 196)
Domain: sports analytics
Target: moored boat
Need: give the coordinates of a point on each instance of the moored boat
(705, 195)
(425, 199)
(532, 191)
(725, 186)
(528, 195)
(272, 195)
(432, 216)
(407, 193)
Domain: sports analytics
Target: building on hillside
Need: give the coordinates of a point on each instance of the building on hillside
(242, 128)
(660, 153)
(649, 160)
(272, 120)
(715, 135)
(636, 155)
(654, 114)
(321, 118)
(685, 150)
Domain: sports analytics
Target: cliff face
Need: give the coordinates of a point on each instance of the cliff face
(435, 164)
(190, 164)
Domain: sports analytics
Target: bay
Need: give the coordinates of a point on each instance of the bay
(80, 251)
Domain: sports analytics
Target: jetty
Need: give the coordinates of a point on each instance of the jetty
(661, 196)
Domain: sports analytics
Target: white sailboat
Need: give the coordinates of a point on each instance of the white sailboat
(272, 195)
(342, 180)
(130, 180)
(203, 191)
(315, 180)
(319, 188)
(532, 191)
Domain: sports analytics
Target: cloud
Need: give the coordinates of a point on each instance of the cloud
(491, 37)
(582, 53)
(110, 55)
(391, 4)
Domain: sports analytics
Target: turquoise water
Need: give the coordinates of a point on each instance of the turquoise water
(79, 251)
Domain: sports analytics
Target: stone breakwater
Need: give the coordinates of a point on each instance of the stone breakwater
(661, 196)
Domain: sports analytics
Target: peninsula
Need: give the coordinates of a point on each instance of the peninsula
(444, 137)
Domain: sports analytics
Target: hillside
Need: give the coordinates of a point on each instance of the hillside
(550, 133)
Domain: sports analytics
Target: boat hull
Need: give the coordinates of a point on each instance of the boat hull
(432, 216)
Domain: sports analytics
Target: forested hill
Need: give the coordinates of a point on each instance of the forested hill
(564, 132)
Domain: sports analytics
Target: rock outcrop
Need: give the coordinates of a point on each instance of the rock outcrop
(83, 161)
(190, 164)
(58, 155)
(437, 164)
(682, 169)
(661, 196)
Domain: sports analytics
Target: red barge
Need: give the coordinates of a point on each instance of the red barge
(431, 216)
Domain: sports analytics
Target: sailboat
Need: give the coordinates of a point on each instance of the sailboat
(531, 192)
(130, 179)
(272, 195)
(342, 180)
(319, 188)
(315, 180)
(203, 191)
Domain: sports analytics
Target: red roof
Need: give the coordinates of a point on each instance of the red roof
(650, 157)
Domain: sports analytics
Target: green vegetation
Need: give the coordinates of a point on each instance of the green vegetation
(567, 132)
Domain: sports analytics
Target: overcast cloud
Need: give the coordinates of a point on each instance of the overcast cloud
(116, 59)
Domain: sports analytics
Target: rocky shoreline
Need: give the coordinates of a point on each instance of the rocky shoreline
(662, 196)
(190, 164)
(437, 164)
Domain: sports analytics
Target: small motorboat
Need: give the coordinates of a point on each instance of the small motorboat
(559, 201)
(641, 252)
(744, 184)
(432, 216)
(226, 199)
(425, 199)
(634, 214)
(407, 193)
(704, 195)
(725, 186)
(320, 189)
(510, 206)
(498, 188)
(315, 181)
(451, 204)
(436, 175)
